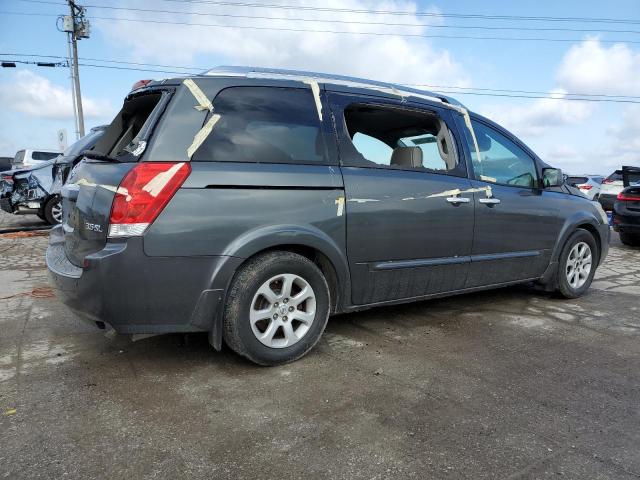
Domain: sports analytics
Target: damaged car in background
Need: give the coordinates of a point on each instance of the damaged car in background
(36, 190)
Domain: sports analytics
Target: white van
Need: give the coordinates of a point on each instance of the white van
(29, 157)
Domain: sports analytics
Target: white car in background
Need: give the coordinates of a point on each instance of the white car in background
(30, 157)
(612, 186)
(589, 185)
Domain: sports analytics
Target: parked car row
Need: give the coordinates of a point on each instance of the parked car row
(253, 203)
(35, 189)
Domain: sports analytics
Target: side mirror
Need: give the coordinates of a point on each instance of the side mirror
(552, 177)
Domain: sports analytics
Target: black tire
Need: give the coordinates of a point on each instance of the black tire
(630, 239)
(237, 330)
(48, 212)
(564, 287)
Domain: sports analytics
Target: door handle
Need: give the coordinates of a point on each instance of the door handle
(489, 201)
(457, 200)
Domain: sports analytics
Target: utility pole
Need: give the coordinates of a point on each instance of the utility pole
(77, 28)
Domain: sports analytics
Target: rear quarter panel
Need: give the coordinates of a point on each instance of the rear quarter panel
(238, 209)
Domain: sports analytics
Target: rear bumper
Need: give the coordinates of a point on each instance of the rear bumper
(626, 223)
(135, 293)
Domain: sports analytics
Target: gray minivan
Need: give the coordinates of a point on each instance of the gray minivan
(254, 203)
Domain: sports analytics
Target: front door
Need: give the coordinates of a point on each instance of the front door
(408, 205)
(517, 223)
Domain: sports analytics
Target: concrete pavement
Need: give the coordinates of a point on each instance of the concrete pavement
(504, 384)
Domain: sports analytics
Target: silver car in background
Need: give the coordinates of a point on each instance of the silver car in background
(589, 185)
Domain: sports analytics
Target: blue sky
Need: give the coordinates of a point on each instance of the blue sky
(580, 137)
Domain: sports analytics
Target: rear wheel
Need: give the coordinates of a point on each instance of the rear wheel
(629, 239)
(277, 308)
(577, 265)
(53, 211)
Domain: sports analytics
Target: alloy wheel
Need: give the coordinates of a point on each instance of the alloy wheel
(56, 211)
(579, 264)
(282, 310)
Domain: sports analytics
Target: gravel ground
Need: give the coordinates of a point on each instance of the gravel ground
(510, 383)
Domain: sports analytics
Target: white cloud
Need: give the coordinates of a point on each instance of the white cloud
(590, 67)
(389, 57)
(37, 96)
(535, 118)
(625, 138)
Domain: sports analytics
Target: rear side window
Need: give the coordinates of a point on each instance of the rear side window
(44, 155)
(577, 180)
(131, 124)
(265, 125)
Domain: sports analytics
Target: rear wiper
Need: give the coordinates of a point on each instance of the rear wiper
(92, 154)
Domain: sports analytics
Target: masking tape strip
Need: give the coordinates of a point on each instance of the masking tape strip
(467, 122)
(315, 89)
(204, 102)
(457, 191)
(340, 203)
(202, 134)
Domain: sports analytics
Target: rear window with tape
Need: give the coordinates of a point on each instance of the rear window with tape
(264, 125)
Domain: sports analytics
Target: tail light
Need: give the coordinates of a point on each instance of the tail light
(607, 181)
(625, 197)
(7, 178)
(142, 195)
(585, 187)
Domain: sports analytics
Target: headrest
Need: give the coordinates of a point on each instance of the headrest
(407, 157)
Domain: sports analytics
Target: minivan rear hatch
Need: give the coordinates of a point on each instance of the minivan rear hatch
(92, 184)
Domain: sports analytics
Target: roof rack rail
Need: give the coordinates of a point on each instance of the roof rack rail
(283, 74)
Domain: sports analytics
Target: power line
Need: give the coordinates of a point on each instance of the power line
(386, 12)
(417, 14)
(339, 32)
(106, 60)
(198, 69)
(355, 22)
(447, 89)
(342, 32)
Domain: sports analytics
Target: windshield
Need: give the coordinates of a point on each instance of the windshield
(19, 158)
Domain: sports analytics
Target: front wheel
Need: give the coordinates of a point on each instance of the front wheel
(577, 265)
(53, 211)
(277, 308)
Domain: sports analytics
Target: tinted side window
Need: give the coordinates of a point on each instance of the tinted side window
(501, 160)
(44, 155)
(577, 180)
(265, 125)
(393, 137)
